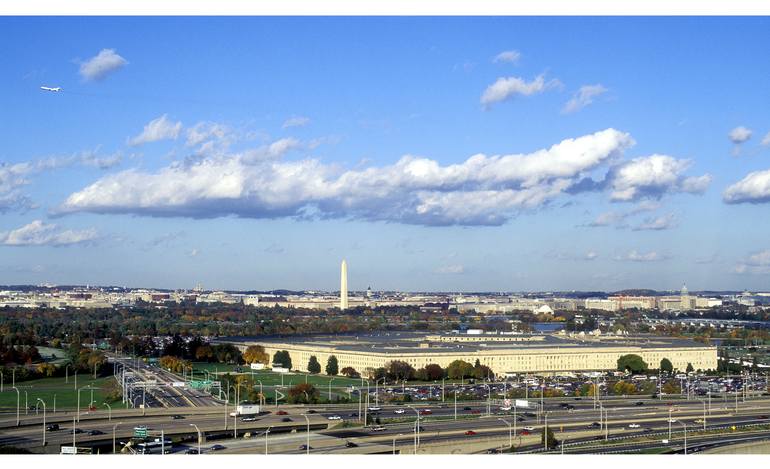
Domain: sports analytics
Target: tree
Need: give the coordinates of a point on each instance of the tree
(433, 372)
(690, 368)
(303, 393)
(398, 370)
(204, 353)
(623, 388)
(459, 369)
(671, 388)
(256, 354)
(549, 436)
(313, 366)
(350, 372)
(283, 359)
(632, 363)
(332, 367)
(666, 365)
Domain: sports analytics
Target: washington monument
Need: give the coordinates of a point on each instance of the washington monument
(344, 285)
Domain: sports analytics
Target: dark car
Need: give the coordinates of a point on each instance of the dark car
(570, 407)
(595, 425)
(79, 430)
(640, 403)
(281, 412)
(286, 419)
(177, 417)
(311, 411)
(564, 405)
(354, 414)
(305, 447)
(217, 448)
(95, 432)
(466, 408)
(191, 451)
(350, 444)
(578, 398)
(470, 433)
(52, 427)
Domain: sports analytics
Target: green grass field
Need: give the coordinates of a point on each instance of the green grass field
(270, 378)
(47, 388)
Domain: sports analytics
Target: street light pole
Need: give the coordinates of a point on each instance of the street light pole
(685, 435)
(510, 435)
(307, 445)
(43, 402)
(267, 432)
(416, 429)
(199, 436)
(18, 399)
(114, 428)
(109, 408)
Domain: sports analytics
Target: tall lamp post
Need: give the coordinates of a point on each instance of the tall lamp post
(704, 413)
(43, 402)
(78, 403)
(18, 398)
(109, 408)
(114, 428)
(267, 432)
(685, 434)
(416, 429)
(199, 436)
(510, 435)
(307, 445)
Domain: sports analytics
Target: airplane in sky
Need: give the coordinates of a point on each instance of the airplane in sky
(47, 88)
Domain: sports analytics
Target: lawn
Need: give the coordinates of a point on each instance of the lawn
(270, 378)
(47, 388)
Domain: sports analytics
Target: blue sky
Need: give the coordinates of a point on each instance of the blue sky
(431, 153)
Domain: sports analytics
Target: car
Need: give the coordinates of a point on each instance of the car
(570, 407)
(578, 398)
(466, 408)
(52, 427)
(525, 432)
(177, 417)
(763, 417)
(426, 412)
(305, 447)
(639, 403)
(375, 409)
(312, 411)
(350, 444)
(506, 408)
(399, 411)
(633, 425)
(334, 417)
(281, 412)
(191, 451)
(378, 428)
(563, 404)
(470, 433)
(79, 430)
(671, 420)
(354, 414)
(475, 411)
(248, 419)
(94, 432)
(595, 425)
(529, 429)
(698, 421)
(286, 419)
(217, 448)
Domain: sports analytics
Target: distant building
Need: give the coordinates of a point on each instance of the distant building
(344, 285)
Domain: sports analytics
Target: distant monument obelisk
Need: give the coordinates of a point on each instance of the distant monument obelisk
(344, 285)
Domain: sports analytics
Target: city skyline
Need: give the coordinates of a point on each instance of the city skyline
(266, 150)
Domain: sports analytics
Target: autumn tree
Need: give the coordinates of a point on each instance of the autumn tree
(303, 393)
(256, 354)
(350, 372)
(459, 369)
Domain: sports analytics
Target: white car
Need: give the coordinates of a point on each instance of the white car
(334, 417)
(671, 420)
(529, 429)
(633, 425)
(399, 411)
(378, 429)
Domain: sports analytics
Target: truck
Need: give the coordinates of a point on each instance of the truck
(245, 409)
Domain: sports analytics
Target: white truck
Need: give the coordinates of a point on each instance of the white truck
(245, 409)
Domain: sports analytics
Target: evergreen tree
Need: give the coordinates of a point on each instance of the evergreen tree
(313, 366)
(332, 367)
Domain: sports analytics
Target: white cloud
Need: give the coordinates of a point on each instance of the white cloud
(483, 190)
(766, 140)
(508, 56)
(756, 263)
(203, 131)
(193, 252)
(101, 65)
(663, 222)
(583, 97)
(590, 255)
(635, 256)
(450, 269)
(296, 121)
(652, 177)
(505, 88)
(618, 219)
(157, 129)
(754, 189)
(739, 135)
(38, 233)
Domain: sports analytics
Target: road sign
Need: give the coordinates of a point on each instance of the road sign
(140, 432)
